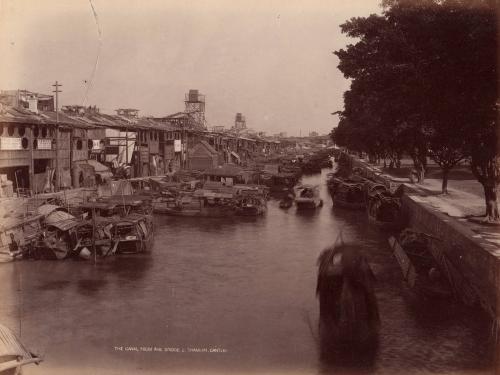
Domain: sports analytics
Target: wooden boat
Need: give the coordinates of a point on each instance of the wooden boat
(130, 230)
(251, 205)
(419, 268)
(286, 203)
(55, 243)
(280, 182)
(133, 234)
(201, 203)
(347, 193)
(13, 354)
(19, 236)
(307, 197)
(349, 316)
(384, 210)
(94, 232)
(251, 200)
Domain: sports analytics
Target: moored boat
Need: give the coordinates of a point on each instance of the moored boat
(56, 240)
(420, 270)
(251, 205)
(307, 197)
(287, 201)
(347, 193)
(201, 203)
(13, 354)
(117, 224)
(384, 210)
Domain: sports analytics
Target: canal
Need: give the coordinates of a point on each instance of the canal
(229, 296)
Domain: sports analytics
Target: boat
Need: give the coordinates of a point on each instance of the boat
(347, 192)
(279, 182)
(307, 197)
(94, 232)
(251, 199)
(133, 234)
(59, 228)
(348, 308)
(384, 210)
(132, 231)
(251, 205)
(13, 354)
(287, 201)
(18, 237)
(420, 270)
(201, 203)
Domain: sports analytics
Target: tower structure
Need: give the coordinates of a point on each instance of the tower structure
(195, 106)
(240, 122)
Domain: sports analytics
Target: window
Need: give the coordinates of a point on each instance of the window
(44, 132)
(79, 144)
(10, 130)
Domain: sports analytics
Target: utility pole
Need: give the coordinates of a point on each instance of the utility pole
(57, 91)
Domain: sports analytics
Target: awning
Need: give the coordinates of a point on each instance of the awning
(61, 220)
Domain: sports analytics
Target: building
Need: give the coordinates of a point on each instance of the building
(32, 101)
(37, 150)
(203, 157)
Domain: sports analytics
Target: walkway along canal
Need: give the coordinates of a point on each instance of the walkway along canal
(230, 296)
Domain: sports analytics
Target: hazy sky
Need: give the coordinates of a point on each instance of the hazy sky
(270, 60)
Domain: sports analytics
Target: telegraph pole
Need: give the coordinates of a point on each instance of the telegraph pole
(57, 91)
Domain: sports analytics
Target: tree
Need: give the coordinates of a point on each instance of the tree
(425, 71)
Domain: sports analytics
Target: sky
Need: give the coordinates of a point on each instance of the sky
(270, 60)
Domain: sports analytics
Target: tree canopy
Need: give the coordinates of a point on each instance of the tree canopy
(423, 81)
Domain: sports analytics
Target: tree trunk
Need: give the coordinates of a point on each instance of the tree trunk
(419, 166)
(444, 186)
(490, 196)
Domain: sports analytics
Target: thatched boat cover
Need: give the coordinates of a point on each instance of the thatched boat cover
(11, 347)
(61, 220)
(47, 209)
(10, 344)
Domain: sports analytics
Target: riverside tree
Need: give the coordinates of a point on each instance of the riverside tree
(429, 71)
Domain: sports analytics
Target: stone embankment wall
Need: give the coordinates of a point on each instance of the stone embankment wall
(472, 263)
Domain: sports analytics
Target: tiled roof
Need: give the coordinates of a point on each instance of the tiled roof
(93, 119)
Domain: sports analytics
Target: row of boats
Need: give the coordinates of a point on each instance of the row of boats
(355, 192)
(123, 222)
(425, 270)
(107, 226)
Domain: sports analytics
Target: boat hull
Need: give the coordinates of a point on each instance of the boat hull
(303, 204)
(251, 211)
(196, 212)
(418, 282)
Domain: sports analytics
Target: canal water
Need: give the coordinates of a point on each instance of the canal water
(230, 296)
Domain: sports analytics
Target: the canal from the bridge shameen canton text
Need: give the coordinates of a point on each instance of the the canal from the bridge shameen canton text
(230, 296)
